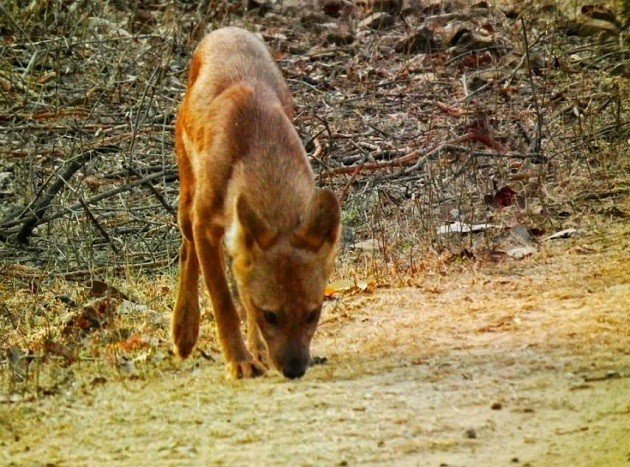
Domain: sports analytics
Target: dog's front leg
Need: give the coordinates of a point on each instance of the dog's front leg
(185, 323)
(208, 244)
(255, 343)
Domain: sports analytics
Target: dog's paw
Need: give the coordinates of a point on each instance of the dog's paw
(245, 369)
(184, 340)
(183, 349)
(185, 328)
(261, 355)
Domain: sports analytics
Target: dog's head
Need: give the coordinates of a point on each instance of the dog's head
(281, 276)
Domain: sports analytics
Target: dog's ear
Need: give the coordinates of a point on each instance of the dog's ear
(255, 229)
(321, 224)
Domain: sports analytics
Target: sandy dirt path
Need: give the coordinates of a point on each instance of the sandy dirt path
(522, 363)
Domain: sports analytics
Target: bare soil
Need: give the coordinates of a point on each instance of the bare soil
(450, 353)
(517, 363)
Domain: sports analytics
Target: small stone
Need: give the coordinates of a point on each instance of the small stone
(521, 252)
(496, 406)
(521, 234)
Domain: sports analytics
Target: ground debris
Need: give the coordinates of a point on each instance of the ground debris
(94, 315)
(566, 233)
(433, 104)
(521, 252)
(98, 288)
(602, 377)
(376, 21)
(463, 228)
(421, 40)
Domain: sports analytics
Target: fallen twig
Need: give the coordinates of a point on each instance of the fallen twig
(168, 174)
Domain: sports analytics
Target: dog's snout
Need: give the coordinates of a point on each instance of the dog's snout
(294, 368)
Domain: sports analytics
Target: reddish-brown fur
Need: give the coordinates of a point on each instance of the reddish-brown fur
(245, 179)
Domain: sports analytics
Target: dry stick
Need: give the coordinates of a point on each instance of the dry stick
(76, 42)
(20, 274)
(429, 156)
(22, 153)
(125, 172)
(93, 218)
(157, 193)
(102, 146)
(98, 226)
(401, 161)
(136, 125)
(412, 156)
(536, 145)
(168, 173)
(40, 208)
(355, 174)
(507, 155)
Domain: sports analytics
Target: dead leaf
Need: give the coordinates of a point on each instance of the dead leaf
(454, 111)
(102, 289)
(94, 315)
(337, 287)
(485, 139)
(475, 60)
(134, 343)
(421, 40)
(56, 348)
(504, 197)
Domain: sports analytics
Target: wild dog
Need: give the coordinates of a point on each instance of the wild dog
(245, 180)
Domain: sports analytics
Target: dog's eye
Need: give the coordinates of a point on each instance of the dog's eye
(312, 316)
(271, 317)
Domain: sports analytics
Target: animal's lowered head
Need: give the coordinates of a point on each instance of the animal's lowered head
(281, 276)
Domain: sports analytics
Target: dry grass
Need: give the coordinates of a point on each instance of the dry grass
(412, 371)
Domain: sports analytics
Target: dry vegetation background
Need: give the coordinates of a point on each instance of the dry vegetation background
(507, 120)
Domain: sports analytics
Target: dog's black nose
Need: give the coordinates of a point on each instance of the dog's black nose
(294, 369)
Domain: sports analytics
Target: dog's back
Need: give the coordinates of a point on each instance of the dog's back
(235, 124)
(232, 55)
